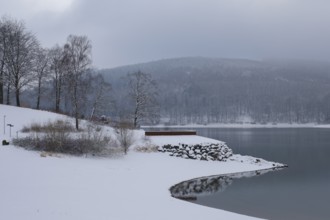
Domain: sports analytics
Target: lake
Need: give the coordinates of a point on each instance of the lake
(301, 191)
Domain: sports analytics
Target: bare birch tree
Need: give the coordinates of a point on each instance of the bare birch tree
(58, 67)
(78, 51)
(100, 95)
(143, 92)
(41, 70)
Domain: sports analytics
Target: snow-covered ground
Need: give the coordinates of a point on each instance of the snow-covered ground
(135, 186)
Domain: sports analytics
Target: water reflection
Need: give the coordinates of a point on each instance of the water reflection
(301, 192)
(204, 186)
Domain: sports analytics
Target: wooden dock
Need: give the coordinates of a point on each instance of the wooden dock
(169, 133)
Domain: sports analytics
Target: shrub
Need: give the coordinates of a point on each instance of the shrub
(59, 137)
(58, 125)
(93, 140)
(124, 135)
(147, 148)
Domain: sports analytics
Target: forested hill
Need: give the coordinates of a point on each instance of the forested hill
(207, 90)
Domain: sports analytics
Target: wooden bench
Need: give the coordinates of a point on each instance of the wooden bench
(169, 133)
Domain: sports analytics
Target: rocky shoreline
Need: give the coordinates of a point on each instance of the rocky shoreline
(203, 151)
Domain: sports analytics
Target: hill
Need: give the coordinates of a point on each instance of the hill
(213, 90)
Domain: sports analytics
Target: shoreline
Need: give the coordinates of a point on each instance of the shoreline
(279, 125)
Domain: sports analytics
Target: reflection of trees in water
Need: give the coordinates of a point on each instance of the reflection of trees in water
(207, 185)
(190, 189)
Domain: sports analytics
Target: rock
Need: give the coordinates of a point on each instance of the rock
(203, 158)
(214, 152)
(4, 143)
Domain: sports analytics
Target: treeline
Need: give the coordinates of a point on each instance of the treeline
(173, 91)
(205, 90)
(59, 78)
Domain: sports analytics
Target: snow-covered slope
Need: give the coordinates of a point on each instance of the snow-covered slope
(132, 187)
(20, 117)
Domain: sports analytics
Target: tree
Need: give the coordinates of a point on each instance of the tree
(41, 70)
(3, 43)
(78, 52)
(143, 92)
(58, 67)
(20, 50)
(99, 94)
(6, 24)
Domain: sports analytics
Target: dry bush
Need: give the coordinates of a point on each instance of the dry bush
(34, 127)
(94, 140)
(58, 125)
(124, 135)
(148, 148)
(58, 137)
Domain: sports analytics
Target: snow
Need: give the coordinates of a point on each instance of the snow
(135, 186)
(175, 140)
(24, 116)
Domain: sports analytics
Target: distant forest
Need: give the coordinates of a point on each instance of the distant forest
(206, 90)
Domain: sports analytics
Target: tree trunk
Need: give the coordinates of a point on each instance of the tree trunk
(77, 121)
(18, 102)
(1, 90)
(57, 108)
(8, 94)
(135, 117)
(1, 82)
(58, 88)
(56, 95)
(76, 110)
(39, 93)
(92, 114)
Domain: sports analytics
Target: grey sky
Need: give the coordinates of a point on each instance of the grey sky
(132, 31)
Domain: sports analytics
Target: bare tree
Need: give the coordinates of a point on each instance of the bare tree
(3, 43)
(58, 66)
(143, 92)
(78, 52)
(20, 53)
(100, 94)
(41, 70)
(6, 24)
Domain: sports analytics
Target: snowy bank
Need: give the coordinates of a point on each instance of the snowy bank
(132, 187)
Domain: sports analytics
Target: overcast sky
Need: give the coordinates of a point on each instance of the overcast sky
(132, 31)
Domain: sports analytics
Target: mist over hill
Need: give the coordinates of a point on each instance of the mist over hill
(213, 90)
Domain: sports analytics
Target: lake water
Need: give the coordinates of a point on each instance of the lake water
(301, 191)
